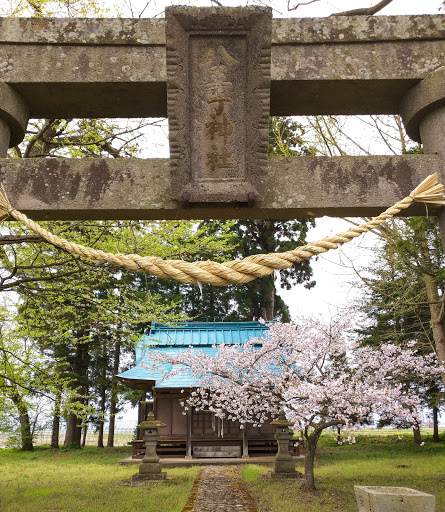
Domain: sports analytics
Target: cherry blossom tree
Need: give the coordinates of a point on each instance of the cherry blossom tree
(315, 372)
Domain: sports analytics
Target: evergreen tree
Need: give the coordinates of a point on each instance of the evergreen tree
(259, 298)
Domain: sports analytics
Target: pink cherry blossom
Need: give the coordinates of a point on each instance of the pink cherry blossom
(313, 371)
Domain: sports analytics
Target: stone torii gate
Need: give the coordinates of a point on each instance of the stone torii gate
(213, 72)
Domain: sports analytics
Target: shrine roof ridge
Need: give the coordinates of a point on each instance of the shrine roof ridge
(170, 340)
(187, 334)
(151, 31)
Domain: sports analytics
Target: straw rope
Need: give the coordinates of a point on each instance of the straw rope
(231, 272)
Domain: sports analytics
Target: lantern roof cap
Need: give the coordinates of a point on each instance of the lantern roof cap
(281, 421)
(151, 422)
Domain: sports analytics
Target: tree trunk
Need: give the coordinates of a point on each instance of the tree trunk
(100, 438)
(79, 366)
(417, 436)
(25, 430)
(263, 298)
(436, 424)
(113, 399)
(437, 325)
(103, 396)
(73, 430)
(25, 426)
(56, 423)
(84, 435)
(309, 460)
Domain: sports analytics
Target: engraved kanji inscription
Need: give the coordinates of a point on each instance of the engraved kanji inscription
(218, 65)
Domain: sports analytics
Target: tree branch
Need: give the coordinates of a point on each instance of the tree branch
(289, 8)
(20, 239)
(19, 282)
(31, 390)
(366, 11)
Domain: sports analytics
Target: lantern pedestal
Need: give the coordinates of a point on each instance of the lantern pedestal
(150, 468)
(284, 465)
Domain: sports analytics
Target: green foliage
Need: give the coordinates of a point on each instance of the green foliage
(397, 298)
(287, 138)
(405, 289)
(257, 299)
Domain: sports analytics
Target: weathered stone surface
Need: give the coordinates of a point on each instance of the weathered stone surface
(117, 68)
(216, 451)
(150, 468)
(14, 112)
(283, 463)
(5, 137)
(432, 132)
(140, 189)
(422, 99)
(393, 499)
(140, 478)
(130, 31)
(218, 67)
(356, 29)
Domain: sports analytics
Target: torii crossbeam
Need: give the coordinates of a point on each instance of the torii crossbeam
(96, 68)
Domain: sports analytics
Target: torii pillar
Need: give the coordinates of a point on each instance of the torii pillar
(14, 117)
(423, 113)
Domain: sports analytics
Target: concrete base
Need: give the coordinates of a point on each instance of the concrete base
(184, 462)
(284, 466)
(148, 477)
(131, 482)
(295, 475)
(217, 451)
(149, 469)
(393, 499)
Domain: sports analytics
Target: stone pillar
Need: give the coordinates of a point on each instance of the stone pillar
(432, 134)
(283, 466)
(13, 118)
(150, 468)
(5, 136)
(423, 113)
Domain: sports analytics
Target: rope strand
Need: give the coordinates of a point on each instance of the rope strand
(231, 272)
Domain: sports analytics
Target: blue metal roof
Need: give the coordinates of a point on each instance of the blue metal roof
(203, 335)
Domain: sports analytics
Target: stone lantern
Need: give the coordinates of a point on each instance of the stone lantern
(150, 468)
(283, 464)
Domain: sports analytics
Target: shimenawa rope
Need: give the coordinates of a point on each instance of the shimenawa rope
(230, 272)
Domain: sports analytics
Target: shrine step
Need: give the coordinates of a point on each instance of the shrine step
(216, 451)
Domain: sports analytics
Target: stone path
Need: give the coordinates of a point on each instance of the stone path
(220, 489)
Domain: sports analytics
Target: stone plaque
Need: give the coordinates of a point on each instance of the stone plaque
(218, 66)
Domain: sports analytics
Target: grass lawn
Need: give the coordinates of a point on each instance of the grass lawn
(83, 480)
(373, 460)
(49, 481)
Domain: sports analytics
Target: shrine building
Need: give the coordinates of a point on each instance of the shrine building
(195, 433)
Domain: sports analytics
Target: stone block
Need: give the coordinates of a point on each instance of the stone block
(284, 466)
(218, 88)
(149, 468)
(393, 499)
(146, 478)
(217, 451)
